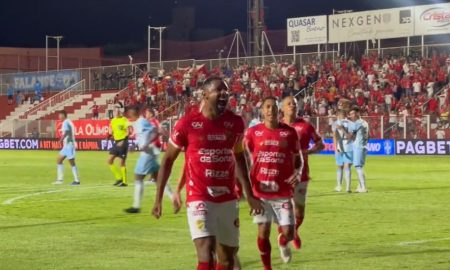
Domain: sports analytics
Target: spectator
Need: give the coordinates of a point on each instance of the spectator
(37, 91)
(35, 134)
(95, 110)
(10, 94)
(111, 109)
(19, 98)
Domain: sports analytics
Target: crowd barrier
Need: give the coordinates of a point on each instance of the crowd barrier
(378, 147)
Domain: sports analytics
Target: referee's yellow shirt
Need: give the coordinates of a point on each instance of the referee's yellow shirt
(119, 127)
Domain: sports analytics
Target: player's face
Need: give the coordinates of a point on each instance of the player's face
(133, 115)
(61, 117)
(218, 95)
(353, 115)
(148, 114)
(270, 110)
(289, 106)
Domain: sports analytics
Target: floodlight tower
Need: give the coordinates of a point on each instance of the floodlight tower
(255, 25)
(160, 29)
(58, 40)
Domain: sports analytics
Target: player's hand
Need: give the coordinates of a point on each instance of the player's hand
(256, 206)
(293, 179)
(157, 210)
(176, 202)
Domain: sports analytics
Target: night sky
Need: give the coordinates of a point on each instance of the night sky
(99, 22)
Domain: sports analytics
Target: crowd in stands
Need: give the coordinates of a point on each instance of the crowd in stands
(404, 90)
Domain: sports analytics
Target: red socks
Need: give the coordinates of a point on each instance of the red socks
(282, 241)
(265, 249)
(298, 222)
(203, 266)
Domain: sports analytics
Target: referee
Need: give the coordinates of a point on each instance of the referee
(119, 130)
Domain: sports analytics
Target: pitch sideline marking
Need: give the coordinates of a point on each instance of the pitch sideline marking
(409, 243)
(12, 200)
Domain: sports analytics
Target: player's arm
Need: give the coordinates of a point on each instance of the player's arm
(297, 159)
(335, 140)
(163, 176)
(177, 195)
(242, 174)
(318, 143)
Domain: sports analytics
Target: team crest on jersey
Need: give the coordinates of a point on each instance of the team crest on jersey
(197, 125)
(228, 125)
(284, 133)
(259, 133)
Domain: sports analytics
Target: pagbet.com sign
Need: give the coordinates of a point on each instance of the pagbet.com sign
(432, 19)
(422, 147)
(307, 30)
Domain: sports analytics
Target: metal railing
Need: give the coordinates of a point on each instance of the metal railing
(57, 100)
(380, 127)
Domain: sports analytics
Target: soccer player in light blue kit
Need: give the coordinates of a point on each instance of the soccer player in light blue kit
(68, 150)
(344, 150)
(359, 130)
(146, 133)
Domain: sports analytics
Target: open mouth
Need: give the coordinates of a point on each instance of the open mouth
(222, 103)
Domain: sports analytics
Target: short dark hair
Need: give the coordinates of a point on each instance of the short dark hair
(208, 82)
(269, 98)
(354, 108)
(63, 112)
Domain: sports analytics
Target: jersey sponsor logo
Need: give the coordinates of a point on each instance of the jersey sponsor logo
(269, 186)
(197, 125)
(228, 125)
(269, 172)
(198, 210)
(259, 133)
(286, 205)
(217, 137)
(223, 155)
(217, 174)
(270, 143)
(217, 191)
(270, 157)
(284, 133)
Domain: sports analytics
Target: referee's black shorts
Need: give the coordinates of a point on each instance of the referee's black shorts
(120, 149)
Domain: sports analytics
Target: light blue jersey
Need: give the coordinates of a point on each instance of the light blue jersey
(344, 144)
(145, 134)
(68, 130)
(360, 130)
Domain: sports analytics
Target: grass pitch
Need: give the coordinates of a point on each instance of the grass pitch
(402, 223)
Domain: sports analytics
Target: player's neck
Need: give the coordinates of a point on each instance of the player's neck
(209, 112)
(289, 119)
(271, 124)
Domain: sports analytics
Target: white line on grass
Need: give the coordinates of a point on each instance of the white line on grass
(12, 200)
(422, 241)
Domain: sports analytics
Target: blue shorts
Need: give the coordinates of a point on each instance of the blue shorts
(146, 164)
(359, 157)
(344, 158)
(68, 151)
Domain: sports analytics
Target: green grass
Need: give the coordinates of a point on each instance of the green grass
(84, 228)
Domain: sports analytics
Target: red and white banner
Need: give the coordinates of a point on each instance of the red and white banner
(88, 129)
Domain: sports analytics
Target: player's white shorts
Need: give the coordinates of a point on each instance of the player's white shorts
(68, 151)
(279, 211)
(300, 191)
(146, 164)
(215, 219)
